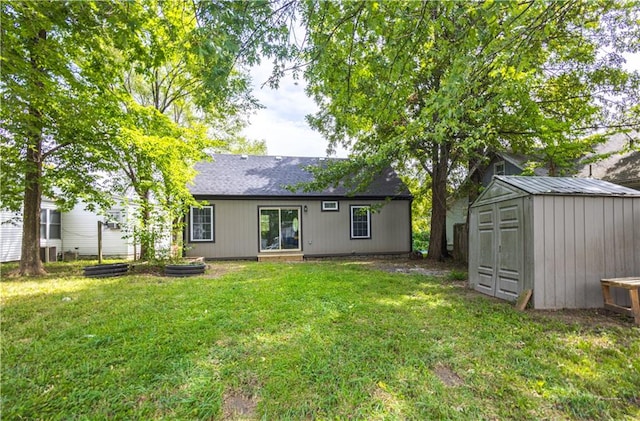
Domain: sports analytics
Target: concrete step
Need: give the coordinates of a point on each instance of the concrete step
(280, 257)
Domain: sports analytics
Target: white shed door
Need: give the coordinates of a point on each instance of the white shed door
(500, 249)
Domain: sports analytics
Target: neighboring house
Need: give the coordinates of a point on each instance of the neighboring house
(50, 233)
(74, 232)
(248, 213)
(500, 163)
(10, 236)
(508, 163)
(80, 232)
(621, 162)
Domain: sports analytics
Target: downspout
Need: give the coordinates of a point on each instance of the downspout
(411, 225)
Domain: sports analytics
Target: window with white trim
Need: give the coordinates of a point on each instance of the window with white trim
(201, 228)
(330, 206)
(115, 219)
(498, 168)
(50, 224)
(360, 221)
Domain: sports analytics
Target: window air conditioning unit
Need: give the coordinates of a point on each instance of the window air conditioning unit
(113, 225)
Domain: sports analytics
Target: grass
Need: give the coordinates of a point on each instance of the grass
(318, 340)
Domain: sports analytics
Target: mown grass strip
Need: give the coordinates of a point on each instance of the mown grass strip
(294, 341)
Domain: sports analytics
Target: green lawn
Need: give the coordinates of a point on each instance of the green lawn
(315, 340)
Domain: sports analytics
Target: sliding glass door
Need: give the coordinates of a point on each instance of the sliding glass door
(279, 229)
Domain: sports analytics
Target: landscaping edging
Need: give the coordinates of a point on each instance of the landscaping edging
(189, 269)
(107, 270)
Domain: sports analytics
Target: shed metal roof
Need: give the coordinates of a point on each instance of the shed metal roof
(261, 176)
(567, 186)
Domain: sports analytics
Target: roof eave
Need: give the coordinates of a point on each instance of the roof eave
(319, 196)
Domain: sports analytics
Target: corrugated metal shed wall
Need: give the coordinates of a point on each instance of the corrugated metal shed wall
(579, 240)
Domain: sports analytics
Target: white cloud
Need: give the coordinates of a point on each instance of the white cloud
(632, 61)
(282, 122)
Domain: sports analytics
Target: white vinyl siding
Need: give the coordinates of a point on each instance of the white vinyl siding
(80, 233)
(50, 224)
(10, 236)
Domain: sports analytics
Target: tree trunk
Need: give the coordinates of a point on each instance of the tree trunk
(437, 241)
(30, 262)
(146, 236)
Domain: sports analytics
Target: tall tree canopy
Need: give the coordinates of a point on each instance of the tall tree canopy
(56, 116)
(430, 86)
(127, 88)
(180, 84)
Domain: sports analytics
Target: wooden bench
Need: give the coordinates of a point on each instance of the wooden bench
(630, 284)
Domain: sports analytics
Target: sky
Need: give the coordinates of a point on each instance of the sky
(282, 122)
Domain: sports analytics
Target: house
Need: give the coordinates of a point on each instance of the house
(80, 231)
(557, 236)
(72, 233)
(620, 163)
(50, 233)
(248, 212)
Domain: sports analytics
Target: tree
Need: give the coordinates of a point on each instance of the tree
(57, 112)
(69, 70)
(433, 85)
(191, 93)
(155, 159)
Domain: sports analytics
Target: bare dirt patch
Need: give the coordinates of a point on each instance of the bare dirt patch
(589, 318)
(594, 318)
(447, 376)
(237, 406)
(414, 266)
(213, 270)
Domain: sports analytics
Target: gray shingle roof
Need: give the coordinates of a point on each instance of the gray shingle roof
(620, 164)
(246, 176)
(520, 161)
(568, 186)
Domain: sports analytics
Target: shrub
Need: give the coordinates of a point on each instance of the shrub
(421, 240)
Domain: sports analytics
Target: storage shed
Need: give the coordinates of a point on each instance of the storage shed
(556, 236)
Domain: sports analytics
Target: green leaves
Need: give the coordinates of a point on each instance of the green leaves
(135, 90)
(183, 88)
(435, 84)
(56, 93)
